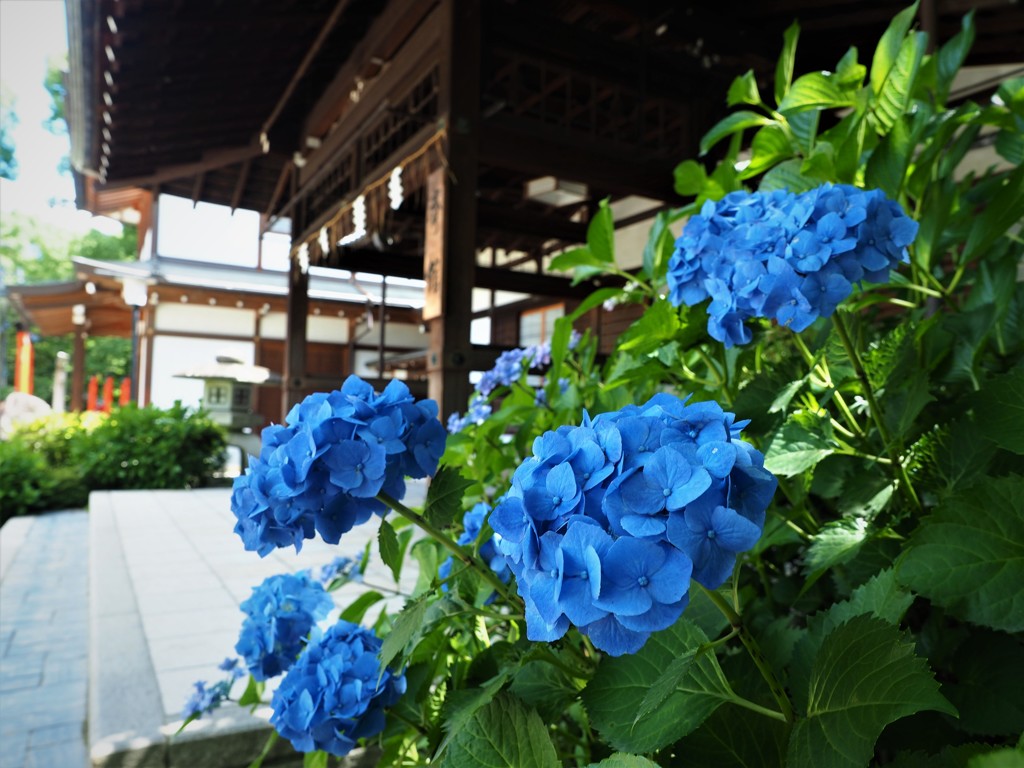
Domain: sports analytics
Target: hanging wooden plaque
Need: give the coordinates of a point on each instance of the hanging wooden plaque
(434, 246)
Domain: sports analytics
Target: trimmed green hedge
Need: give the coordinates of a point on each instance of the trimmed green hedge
(55, 462)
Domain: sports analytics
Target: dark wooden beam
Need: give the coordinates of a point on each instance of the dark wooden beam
(211, 160)
(496, 279)
(524, 222)
(243, 177)
(531, 149)
(292, 389)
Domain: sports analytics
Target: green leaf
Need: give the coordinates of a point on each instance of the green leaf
(784, 67)
(770, 147)
(887, 167)
(425, 551)
(735, 738)
(444, 497)
(836, 542)
(666, 684)
(504, 734)
(999, 410)
(655, 327)
(850, 72)
(461, 705)
(744, 90)
(727, 126)
(984, 684)
(620, 685)
(253, 693)
(316, 759)
(1008, 757)
(888, 48)
(968, 556)
(622, 760)
(601, 234)
(864, 677)
(573, 258)
(951, 57)
(787, 175)
(895, 97)
(546, 687)
(390, 551)
(815, 90)
(407, 624)
(781, 403)
(357, 609)
(804, 440)
(690, 178)
(661, 243)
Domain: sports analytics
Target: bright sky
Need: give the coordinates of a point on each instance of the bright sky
(33, 33)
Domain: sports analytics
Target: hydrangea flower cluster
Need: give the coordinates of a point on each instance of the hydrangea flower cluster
(507, 370)
(472, 524)
(280, 614)
(336, 692)
(321, 471)
(788, 257)
(606, 523)
(341, 568)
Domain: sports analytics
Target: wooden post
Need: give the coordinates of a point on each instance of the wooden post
(78, 370)
(448, 356)
(292, 389)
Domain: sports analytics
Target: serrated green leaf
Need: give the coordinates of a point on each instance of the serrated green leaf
(781, 403)
(999, 410)
(406, 625)
(984, 684)
(968, 556)
(799, 445)
(504, 734)
(951, 57)
(864, 677)
(784, 66)
(895, 97)
(735, 739)
(622, 760)
(744, 90)
(690, 178)
(727, 126)
(815, 90)
(545, 687)
(888, 48)
(620, 684)
(461, 705)
(666, 683)
(835, 543)
(444, 497)
(390, 551)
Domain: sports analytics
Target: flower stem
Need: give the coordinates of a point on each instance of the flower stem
(753, 649)
(747, 704)
(876, 412)
(445, 541)
(813, 364)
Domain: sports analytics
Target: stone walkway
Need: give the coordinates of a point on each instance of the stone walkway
(108, 617)
(44, 641)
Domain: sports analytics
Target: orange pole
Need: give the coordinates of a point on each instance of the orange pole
(126, 392)
(108, 394)
(94, 389)
(24, 359)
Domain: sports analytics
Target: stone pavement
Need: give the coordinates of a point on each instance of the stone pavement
(43, 641)
(142, 592)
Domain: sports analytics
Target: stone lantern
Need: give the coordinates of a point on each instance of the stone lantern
(228, 386)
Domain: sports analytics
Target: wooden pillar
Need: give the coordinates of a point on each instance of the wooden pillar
(78, 370)
(295, 334)
(448, 357)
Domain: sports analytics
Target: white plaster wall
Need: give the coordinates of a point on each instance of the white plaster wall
(396, 335)
(205, 319)
(174, 354)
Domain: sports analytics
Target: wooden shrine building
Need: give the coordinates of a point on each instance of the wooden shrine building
(459, 141)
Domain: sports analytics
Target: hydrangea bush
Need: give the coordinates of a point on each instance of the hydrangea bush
(616, 570)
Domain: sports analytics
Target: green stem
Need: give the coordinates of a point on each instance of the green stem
(448, 543)
(414, 725)
(876, 412)
(719, 378)
(754, 650)
(813, 364)
(747, 704)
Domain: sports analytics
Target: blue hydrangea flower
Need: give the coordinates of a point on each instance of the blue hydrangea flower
(204, 700)
(336, 692)
(790, 258)
(280, 614)
(606, 523)
(472, 525)
(341, 568)
(320, 472)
